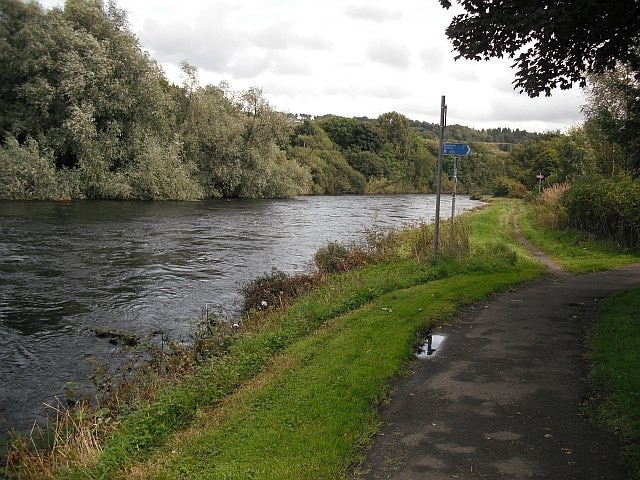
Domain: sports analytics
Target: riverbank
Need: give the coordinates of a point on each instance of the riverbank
(150, 270)
(296, 397)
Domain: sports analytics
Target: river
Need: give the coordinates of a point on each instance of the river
(69, 268)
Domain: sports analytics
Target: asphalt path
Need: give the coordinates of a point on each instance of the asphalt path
(501, 396)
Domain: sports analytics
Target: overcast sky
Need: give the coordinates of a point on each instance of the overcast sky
(343, 57)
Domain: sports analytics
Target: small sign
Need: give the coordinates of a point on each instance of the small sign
(461, 149)
(540, 176)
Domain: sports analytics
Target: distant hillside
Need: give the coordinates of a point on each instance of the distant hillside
(458, 133)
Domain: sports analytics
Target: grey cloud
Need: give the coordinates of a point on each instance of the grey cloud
(394, 91)
(248, 66)
(389, 53)
(563, 108)
(211, 47)
(280, 37)
(466, 75)
(432, 59)
(372, 14)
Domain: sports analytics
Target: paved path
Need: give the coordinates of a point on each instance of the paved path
(500, 399)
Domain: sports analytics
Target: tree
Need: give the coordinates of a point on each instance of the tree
(613, 114)
(554, 44)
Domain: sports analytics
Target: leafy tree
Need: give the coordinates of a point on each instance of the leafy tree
(330, 171)
(613, 114)
(27, 175)
(536, 156)
(340, 130)
(576, 155)
(367, 137)
(553, 44)
(354, 134)
(397, 131)
(367, 163)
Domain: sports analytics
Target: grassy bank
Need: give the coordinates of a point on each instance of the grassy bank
(615, 355)
(294, 395)
(575, 251)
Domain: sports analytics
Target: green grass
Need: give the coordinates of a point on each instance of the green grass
(615, 354)
(308, 419)
(575, 251)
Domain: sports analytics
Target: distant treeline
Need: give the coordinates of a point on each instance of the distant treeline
(86, 113)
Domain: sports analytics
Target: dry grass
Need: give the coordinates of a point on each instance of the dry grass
(73, 434)
(549, 212)
(72, 438)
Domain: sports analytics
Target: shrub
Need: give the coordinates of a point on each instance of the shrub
(26, 174)
(337, 258)
(507, 187)
(608, 208)
(275, 290)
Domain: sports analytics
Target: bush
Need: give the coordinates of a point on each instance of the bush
(275, 290)
(338, 258)
(608, 208)
(26, 174)
(507, 187)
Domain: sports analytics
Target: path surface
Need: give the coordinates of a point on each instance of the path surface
(500, 398)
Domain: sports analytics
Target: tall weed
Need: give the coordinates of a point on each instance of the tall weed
(549, 211)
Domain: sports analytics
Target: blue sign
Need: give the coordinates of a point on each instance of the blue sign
(456, 149)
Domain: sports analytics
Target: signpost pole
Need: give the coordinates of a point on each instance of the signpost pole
(539, 177)
(436, 233)
(453, 194)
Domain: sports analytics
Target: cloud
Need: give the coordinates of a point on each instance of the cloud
(432, 59)
(281, 37)
(390, 53)
(211, 46)
(354, 58)
(371, 13)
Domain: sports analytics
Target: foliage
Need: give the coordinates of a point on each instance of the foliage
(608, 208)
(338, 258)
(549, 211)
(507, 187)
(159, 173)
(26, 174)
(331, 174)
(613, 113)
(615, 356)
(78, 93)
(553, 44)
(275, 290)
(99, 120)
(577, 251)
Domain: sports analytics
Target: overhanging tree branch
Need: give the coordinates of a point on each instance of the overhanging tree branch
(554, 44)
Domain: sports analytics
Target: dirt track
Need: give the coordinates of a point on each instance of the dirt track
(500, 399)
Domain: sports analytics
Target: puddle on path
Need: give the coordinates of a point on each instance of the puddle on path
(430, 346)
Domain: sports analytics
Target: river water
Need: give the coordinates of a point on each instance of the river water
(69, 268)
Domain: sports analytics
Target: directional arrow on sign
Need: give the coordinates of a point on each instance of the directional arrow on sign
(456, 149)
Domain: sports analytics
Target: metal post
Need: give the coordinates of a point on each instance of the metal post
(436, 233)
(453, 193)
